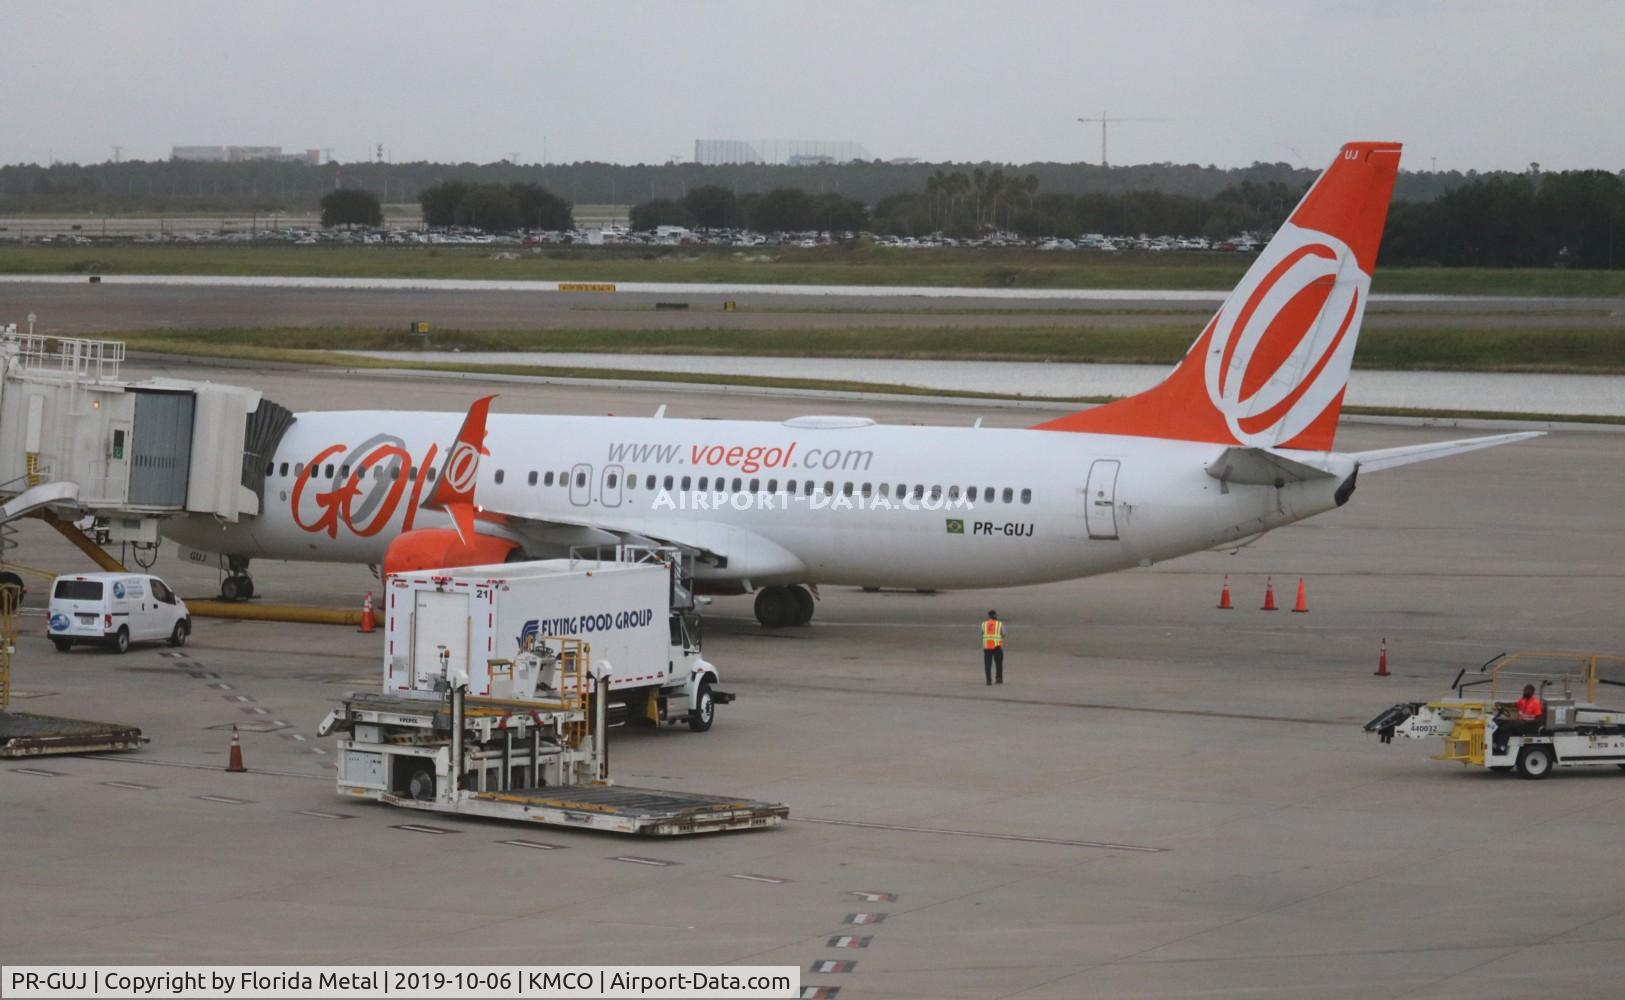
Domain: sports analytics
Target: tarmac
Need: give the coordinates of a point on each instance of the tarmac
(72, 306)
(1162, 800)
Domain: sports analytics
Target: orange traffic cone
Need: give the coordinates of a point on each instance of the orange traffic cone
(1382, 659)
(368, 624)
(1224, 595)
(235, 764)
(1269, 594)
(1303, 600)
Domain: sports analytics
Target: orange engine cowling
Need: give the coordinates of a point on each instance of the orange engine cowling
(436, 548)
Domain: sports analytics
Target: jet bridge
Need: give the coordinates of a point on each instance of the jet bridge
(76, 439)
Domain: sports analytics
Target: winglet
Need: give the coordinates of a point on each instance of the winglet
(454, 492)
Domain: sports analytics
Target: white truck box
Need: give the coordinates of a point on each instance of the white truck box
(463, 618)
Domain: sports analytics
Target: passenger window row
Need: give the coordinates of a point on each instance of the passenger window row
(706, 484)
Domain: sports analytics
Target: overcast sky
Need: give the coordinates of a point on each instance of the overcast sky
(1477, 84)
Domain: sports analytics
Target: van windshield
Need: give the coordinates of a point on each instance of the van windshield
(79, 590)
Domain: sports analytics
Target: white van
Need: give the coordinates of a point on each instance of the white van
(115, 609)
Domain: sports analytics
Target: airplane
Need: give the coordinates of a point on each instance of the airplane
(1236, 441)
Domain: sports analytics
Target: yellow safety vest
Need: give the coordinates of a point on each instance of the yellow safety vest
(992, 634)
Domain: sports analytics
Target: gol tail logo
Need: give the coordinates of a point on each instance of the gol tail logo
(1281, 346)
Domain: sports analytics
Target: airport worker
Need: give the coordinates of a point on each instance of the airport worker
(993, 647)
(1529, 711)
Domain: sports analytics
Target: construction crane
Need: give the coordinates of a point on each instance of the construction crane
(1105, 120)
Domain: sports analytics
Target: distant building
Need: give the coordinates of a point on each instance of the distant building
(903, 161)
(720, 152)
(242, 154)
(795, 152)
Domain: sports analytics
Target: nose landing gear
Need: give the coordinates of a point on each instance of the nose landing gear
(239, 586)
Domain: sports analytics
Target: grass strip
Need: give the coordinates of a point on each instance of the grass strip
(1550, 350)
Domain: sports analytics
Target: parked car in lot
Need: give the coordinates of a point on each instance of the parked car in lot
(115, 609)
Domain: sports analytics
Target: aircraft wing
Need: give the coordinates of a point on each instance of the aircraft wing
(1389, 458)
(743, 553)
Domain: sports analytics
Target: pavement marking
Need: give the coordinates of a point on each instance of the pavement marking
(832, 965)
(323, 814)
(651, 862)
(175, 655)
(534, 845)
(237, 697)
(1102, 844)
(848, 941)
(133, 786)
(38, 772)
(421, 828)
(227, 799)
(257, 710)
(770, 880)
(203, 675)
(869, 896)
(820, 992)
(864, 919)
(222, 686)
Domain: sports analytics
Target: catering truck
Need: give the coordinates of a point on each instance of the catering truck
(482, 621)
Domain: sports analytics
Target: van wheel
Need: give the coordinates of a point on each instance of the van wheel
(62, 645)
(1535, 761)
(178, 636)
(121, 641)
(700, 719)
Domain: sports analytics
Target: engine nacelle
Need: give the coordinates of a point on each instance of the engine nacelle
(437, 548)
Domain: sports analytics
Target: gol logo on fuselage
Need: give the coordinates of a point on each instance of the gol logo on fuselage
(364, 500)
(1279, 353)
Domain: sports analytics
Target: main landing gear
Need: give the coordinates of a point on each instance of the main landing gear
(239, 586)
(779, 607)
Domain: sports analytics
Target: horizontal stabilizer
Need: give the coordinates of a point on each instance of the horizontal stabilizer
(1258, 467)
(1389, 458)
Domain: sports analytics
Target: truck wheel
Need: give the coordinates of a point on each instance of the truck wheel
(63, 645)
(1535, 761)
(700, 719)
(182, 629)
(121, 641)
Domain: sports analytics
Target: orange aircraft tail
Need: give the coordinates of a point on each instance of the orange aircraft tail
(1271, 366)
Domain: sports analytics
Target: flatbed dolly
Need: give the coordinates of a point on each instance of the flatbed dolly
(540, 760)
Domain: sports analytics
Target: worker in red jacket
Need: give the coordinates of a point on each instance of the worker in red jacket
(1528, 714)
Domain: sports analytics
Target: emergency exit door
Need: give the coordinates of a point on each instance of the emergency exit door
(440, 636)
(1100, 499)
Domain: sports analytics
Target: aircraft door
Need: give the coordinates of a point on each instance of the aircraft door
(581, 485)
(1100, 499)
(610, 490)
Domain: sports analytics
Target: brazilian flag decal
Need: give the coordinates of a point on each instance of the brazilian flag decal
(956, 526)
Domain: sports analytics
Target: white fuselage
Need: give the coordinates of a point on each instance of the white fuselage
(1061, 504)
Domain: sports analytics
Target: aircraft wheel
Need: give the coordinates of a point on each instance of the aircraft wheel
(802, 602)
(775, 608)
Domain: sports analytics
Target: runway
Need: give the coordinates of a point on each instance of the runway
(1164, 799)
